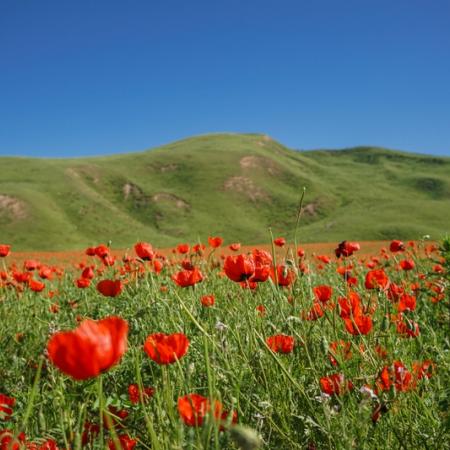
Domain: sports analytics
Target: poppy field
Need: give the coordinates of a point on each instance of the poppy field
(201, 348)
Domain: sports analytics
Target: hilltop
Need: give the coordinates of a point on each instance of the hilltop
(235, 185)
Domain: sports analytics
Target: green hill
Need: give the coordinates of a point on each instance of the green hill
(233, 185)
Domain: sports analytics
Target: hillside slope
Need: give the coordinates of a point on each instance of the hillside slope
(229, 184)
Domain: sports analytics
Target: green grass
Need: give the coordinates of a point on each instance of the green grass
(366, 193)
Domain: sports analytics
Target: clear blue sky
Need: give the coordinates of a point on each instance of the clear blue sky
(85, 77)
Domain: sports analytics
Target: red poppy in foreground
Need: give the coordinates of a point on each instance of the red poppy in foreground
(239, 268)
(186, 278)
(4, 250)
(280, 343)
(110, 288)
(166, 348)
(93, 347)
(359, 324)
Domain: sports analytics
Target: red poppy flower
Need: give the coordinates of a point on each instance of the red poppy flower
(125, 442)
(335, 384)
(88, 272)
(300, 252)
(396, 246)
(187, 278)
(144, 250)
(263, 263)
(31, 264)
(102, 251)
(316, 312)
(396, 375)
(90, 251)
(323, 293)
(6, 406)
(408, 329)
(350, 306)
(133, 393)
(261, 310)
(358, 324)
(4, 250)
(239, 268)
(166, 348)
(83, 283)
(377, 279)
(110, 288)
(234, 247)
(280, 343)
(183, 248)
(92, 348)
(407, 303)
(35, 285)
(324, 258)
(193, 409)
(280, 241)
(285, 275)
(407, 264)
(208, 300)
(346, 249)
(198, 248)
(8, 441)
(424, 369)
(215, 241)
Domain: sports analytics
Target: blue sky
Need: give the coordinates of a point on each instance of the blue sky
(97, 77)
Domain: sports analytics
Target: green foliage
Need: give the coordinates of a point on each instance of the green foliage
(202, 185)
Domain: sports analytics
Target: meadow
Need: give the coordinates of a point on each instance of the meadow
(197, 348)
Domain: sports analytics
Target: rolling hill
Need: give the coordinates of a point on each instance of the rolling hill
(235, 185)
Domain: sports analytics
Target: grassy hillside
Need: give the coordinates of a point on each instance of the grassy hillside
(229, 184)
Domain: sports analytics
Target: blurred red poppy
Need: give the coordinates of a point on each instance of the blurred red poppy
(396, 246)
(407, 264)
(134, 393)
(346, 248)
(335, 384)
(183, 248)
(208, 300)
(285, 276)
(280, 241)
(144, 250)
(187, 278)
(323, 293)
(166, 348)
(125, 442)
(6, 406)
(93, 347)
(193, 409)
(234, 247)
(83, 283)
(4, 250)
(377, 279)
(35, 285)
(358, 324)
(110, 288)
(215, 241)
(280, 343)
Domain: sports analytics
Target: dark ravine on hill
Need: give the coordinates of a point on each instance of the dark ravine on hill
(234, 185)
